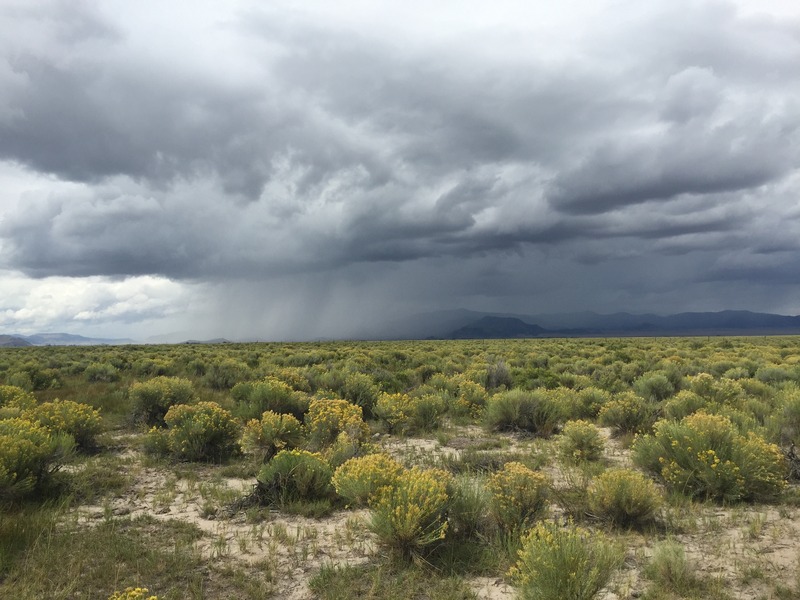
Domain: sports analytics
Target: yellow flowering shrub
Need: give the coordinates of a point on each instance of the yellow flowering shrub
(294, 475)
(628, 413)
(79, 420)
(152, 399)
(723, 391)
(763, 466)
(296, 378)
(360, 478)
(470, 399)
(271, 433)
(29, 452)
(14, 400)
(410, 515)
(581, 441)
(558, 562)
(623, 497)
(202, 431)
(138, 593)
(395, 411)
(518, 495)
(327, 418)
(705, 456)
(404, 414)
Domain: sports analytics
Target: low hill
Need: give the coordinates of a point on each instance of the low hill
(13, 341)
(497, 328)
(67, 339)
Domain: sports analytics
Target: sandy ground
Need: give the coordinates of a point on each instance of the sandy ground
(753, 549)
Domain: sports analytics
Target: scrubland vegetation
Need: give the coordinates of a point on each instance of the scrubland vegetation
(617, 468)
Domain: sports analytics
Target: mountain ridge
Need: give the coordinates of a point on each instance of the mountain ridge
(590, 324)
(467, 324)
(13, 341)
(69, 339)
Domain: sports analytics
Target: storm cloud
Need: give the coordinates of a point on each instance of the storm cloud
(311, 172)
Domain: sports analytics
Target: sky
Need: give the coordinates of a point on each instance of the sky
(313, 169)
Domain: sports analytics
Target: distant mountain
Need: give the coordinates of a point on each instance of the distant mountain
(728, 320)
(174, 337)
(497, 327)
(13, 341)
(460, 324)
(214, 341)
(69, 339)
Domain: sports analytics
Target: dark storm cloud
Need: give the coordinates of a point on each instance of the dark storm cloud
(299, 147)
(88, 121)
(732, 157)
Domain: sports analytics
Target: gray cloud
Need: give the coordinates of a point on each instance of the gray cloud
(245, 148)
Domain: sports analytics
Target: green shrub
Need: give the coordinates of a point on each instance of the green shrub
(29, 453)
(273, 432)
(295, 475)
(498, 376)
(345, 447)
(78, 420)
(736, 373)
(359, 389)
(428, 411)
(624, 497)
(31, 376)
(669, 569)
(326, 419)
(773, 375)
(653, 386)
(202, 431)
(225, 374)
(705, 456)
(518, 496)
(156, 442)
(759, 389)
(587, 402)
(683, 404)
(253, 398)
(152, 399)
(152, 367)
(558, 562)
(535, 412)
(581, 441)
(410, 515)
(196, 367)
(628, 413)
(101, 372)
(21, 379)
(468, 507)
(358, 479)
